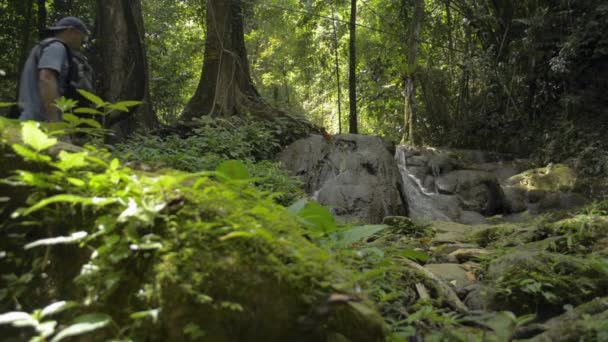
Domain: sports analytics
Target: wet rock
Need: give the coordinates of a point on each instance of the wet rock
(468, 254)
(515, 199)
(355, 174)
(476, 297)
(589, 320)
(452, 232)
(453, 274)
(450, 247)
(478, 191)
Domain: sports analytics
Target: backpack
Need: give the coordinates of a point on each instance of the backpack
(80, 73)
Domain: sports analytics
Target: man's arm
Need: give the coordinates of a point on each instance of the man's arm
(49, 92)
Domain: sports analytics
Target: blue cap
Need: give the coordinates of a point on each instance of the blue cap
(70, 22)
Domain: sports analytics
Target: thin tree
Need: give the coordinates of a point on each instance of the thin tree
(352, 76)
(409, 81)
(337, 66)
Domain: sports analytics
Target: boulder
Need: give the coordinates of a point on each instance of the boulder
(355, 174)
(453, 274)
(478, 190)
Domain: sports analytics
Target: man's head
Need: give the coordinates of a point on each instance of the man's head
(71, 30)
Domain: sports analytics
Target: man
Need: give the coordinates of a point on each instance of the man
(49, 71)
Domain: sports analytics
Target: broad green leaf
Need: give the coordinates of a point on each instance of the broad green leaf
(28, 154)
(33, 136)
(414, 255)
(85, 110)
(128, 103)
(71, 118)
(18, 318)
(151, 314)
(69, 160)
(233, 170)
(56, 308)
(148, 246)
(297, 206)
(119, 107)
(73, 199)
(59, 240)
(6, 104)
(91, 123)
(236, 235)
(82, 325)
(92, 97)
(355, 234)
(65, 105)
(317, 217)
(46, 329)
(76, 182)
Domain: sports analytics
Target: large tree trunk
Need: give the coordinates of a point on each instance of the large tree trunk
(124, 67)
(409, 81)
(225, 87)
(352, 78)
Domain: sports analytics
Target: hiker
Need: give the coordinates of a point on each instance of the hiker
(53, 69)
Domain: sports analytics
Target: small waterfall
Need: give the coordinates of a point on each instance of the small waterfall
(424, 204)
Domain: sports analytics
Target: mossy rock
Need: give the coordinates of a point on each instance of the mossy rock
(541, 282)
(554, 177)
(218, 260)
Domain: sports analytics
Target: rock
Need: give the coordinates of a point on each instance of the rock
(405, 225)
(476, 297)
(478, 190)
(467, 254)
(541, 282)
(355, 174)
(452, 232)
(472, 218)
(515, 198)
(589, 320)
(450, 247)
(506, 169)
(554, 177)
(453, 274)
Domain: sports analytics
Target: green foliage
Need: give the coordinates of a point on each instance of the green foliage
(174, 41)
(550, 282)
(212, 142)
(208, 242)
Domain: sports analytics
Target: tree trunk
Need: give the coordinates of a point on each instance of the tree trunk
(225, 87)
(409, 81)
(42, 19)
(337, 66)
(124, 66)
(352, 77)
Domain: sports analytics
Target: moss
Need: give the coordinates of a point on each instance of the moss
(540, 282)
(218, 259)
(554, 177)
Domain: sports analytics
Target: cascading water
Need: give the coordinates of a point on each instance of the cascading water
(424, 204)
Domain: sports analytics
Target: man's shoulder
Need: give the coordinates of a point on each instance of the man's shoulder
(53, 49)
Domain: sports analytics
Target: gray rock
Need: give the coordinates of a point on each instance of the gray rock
(515, 198)
(453, 274)
(355, 174)
(478, 190)
(476, 297)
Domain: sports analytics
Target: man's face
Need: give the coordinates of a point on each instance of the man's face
(77, 38)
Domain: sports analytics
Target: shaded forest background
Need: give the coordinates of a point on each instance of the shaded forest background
(525, 77)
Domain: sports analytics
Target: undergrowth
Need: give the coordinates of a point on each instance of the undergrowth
(209, 143)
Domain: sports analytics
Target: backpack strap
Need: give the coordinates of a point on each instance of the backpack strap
(72, 72)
